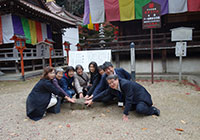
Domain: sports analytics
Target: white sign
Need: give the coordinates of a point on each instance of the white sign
(181, 34)
(181, 48)
(85, 57)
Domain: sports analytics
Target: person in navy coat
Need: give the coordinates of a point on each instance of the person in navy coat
(40, 98)
(103, 85)
(131, 94)
(67, 81)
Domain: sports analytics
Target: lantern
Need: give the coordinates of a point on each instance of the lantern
(67, 48)
(20, 46)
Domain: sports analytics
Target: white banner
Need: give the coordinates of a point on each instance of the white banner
(85, 57)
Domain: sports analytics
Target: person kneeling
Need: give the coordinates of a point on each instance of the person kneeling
(42, 96)
(131, 93)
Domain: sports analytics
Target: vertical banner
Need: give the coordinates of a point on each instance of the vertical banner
(164, 6)
(86, 13)
(138, 7)
(97, 11)
(49, 33)
(33, 32)
(177, 6)
(38, 31)
(26, 28)
(112, 10)
(44, 31)
(17, 25)
(127, 10)
(193, 5)
(7, 28)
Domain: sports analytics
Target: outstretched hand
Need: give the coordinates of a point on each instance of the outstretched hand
(71, 100)
(125, 118)
(89, 102)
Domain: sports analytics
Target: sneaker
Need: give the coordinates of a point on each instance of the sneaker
(156, 111)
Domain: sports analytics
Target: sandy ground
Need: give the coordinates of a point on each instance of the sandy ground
(179, 105)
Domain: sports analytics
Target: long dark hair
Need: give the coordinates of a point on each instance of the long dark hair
(46, 71)
(95, 66)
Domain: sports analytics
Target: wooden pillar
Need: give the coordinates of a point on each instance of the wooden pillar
(117, 60)
(164, 61)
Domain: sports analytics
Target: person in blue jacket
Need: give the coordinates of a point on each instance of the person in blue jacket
(133, 95)
(67, 81)
(42, 96)
(103, 85)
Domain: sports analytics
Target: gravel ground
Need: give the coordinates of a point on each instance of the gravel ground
(179, 105)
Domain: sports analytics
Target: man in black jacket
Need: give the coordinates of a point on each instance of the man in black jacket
(103, 85)
(132, 94)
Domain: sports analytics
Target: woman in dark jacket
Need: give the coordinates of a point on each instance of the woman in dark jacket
(94, 78)
(40, 97)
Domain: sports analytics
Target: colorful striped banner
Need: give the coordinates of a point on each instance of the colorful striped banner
(138, 7)
(193, 5)
(38, 31)
(44, 31)
(112, 10)
(26, 29)
(33, 32)
(49, 33)
(90, 25)
(164, 6)
(127, 10)
(17, 25)
(1, 33)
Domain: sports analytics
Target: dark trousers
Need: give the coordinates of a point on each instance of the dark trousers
(143, 108)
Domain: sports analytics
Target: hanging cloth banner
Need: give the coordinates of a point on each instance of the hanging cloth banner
(112, 10)
(124, 6)
(97, 11)
(1, 33)
(17, 25)
(26, 28)
(39, 31)
(90, 25)
(164, 6)
(177, 6)
(33, 31)
(49, 33)
(193, 5)
(86, 16)
(44, 31)
(7, 28)
(138, 7)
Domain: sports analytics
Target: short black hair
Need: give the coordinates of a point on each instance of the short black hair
(107, 64)
(69, 68)
(101, 67)
(79, 66)
(112, 76)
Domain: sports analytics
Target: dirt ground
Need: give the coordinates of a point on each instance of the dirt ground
(179, 120)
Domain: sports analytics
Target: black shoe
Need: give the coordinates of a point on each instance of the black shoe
(156, 111)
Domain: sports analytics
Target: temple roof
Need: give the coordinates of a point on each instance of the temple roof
(39, 10)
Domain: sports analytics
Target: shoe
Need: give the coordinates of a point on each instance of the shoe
(156, 111)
